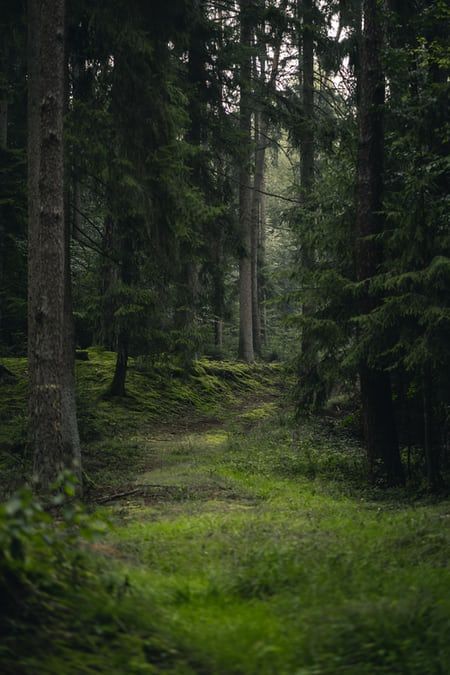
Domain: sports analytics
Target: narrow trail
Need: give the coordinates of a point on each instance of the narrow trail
(175, 452)
(245, 554)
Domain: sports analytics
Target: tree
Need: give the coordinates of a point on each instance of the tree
(52, 420)
(376, 397)
(246, 351)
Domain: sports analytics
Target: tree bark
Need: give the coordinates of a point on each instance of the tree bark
(377, 409)
(246, 352)
(52, 430)
(258, 197)
(434, 476)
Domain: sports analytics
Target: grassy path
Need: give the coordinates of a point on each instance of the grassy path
(245, 547)
(248, 557)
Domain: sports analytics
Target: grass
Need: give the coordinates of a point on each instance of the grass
(158, 394)
(281, 575)
(253, 548)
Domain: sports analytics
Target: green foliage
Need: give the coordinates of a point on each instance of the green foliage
(269, 558)
(158, 391)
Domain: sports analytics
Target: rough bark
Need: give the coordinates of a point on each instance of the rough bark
(378, 414)
(51, 427)
(71, 436)
(245, 199)
(3, 146)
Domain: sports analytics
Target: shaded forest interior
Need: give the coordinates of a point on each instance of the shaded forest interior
(224, 326)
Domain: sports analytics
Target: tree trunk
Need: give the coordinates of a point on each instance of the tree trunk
(71, 436)
(52, 431)
(434, 477)
(258, 182)
(245, 200)
(3, 146)
(218, 291)
(117, 387)
(378, 414)
(109, 277)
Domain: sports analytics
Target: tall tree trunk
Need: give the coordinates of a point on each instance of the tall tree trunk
(245, 200)
(258, 182)
(309, 395)
(378, 414)
(258, 197)
(71, 436)
(3, 146)
(51, 428)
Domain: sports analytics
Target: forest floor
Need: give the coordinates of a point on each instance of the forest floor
(242, 544)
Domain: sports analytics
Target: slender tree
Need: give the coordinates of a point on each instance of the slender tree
(53, 428)
(246, 351)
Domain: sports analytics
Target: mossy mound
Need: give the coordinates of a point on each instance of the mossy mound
(158, 394)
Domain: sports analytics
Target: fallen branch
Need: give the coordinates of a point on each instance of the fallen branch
(141, 488)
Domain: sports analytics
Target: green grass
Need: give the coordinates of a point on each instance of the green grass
(158, 394)
(282, 575)
(252, 548)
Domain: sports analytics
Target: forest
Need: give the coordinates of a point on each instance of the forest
(224, 337)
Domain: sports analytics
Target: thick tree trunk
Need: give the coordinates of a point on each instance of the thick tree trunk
(71, 436)
(52, 428)
(245, 200)
(3, 146)
(434, 476)
(379, 426)
(378, 415)
(186, 312)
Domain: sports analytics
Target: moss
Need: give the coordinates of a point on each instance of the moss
(160, 394)
(247, 550)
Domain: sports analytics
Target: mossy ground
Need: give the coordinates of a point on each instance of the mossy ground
(249, 548)
(159, 395)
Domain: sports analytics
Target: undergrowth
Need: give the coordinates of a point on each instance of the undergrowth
(247, 545)
(158, 394)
